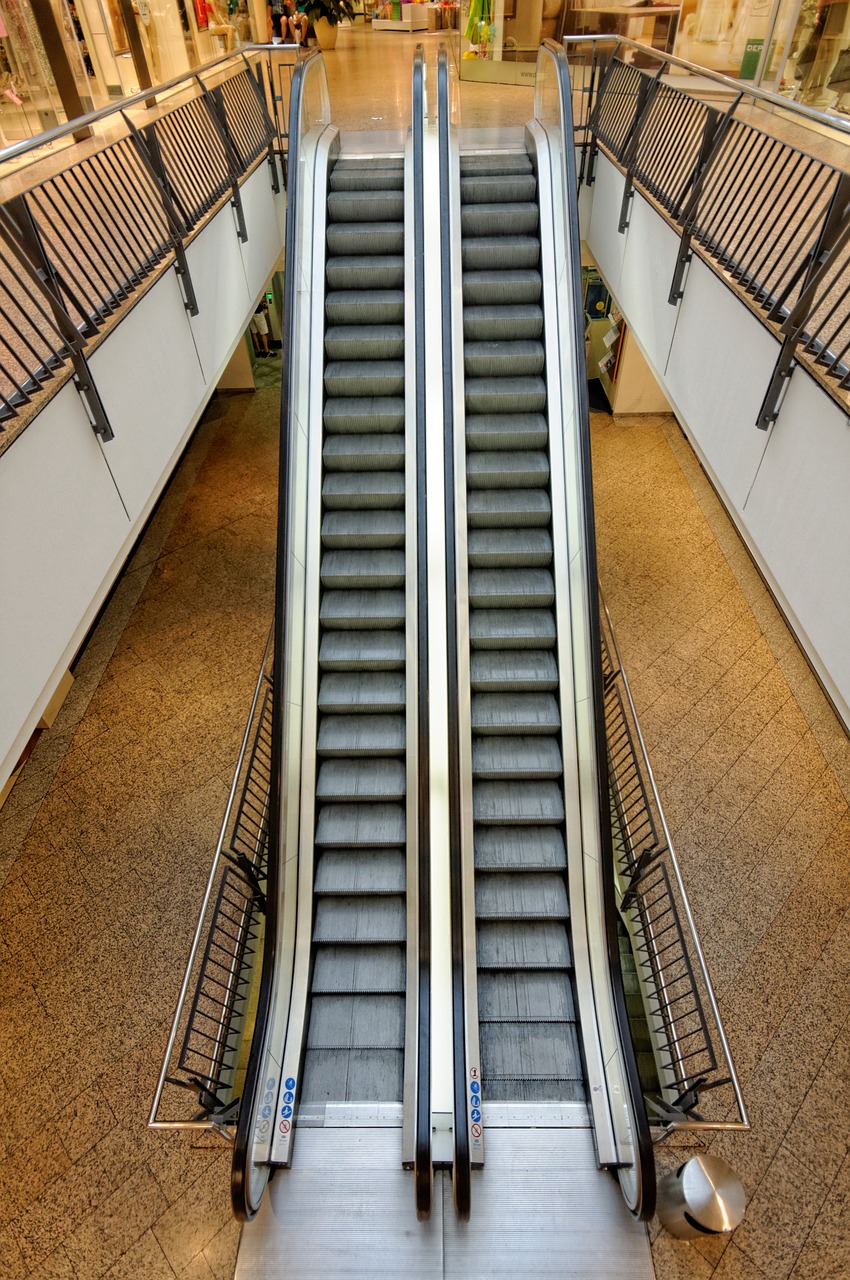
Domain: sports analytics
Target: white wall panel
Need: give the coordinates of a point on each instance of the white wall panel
(61, 526)
(720, 365)
(606, 244)
(646, 274)
(221, 291)
(264, 244)
(798, 515)
(150, 381)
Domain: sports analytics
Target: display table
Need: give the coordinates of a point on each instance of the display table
(414, 17)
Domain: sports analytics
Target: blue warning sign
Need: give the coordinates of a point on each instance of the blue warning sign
(290, 1083)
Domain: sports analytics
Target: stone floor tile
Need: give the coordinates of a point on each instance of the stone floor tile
(84, 1122)
(781, 1214)
(819, 1135)
(196, 1218)
(677, 1260)
(825, 1254)
(198, 1269)
(111, 1229)
(735, 1265)
(144, 1260)
(221, 1251)
(57, 1267)
(30, 1167)
(12, 1265)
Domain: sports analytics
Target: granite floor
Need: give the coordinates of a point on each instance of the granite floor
(106, 840)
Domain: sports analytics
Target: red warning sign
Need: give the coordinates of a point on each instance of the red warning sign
(284, 1126)
(476, 1130)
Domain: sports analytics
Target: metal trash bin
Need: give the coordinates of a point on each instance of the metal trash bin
(704, 1197)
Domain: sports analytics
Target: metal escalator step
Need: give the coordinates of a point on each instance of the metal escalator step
(480, 252)
(352, 238)
(523, 944)
(507, 469)
(366, 206)
(519, 848)
(530, 1091)
(484, 323)
(366, 342)
(521, 802)
(495, 162)
(530, 1051)
(504, 713)
(378, 173)
(353, 1075)
(501, 431)
(360, 871)
(508, 508)
(492, 188)
(514, 671)
(498, 359)
(524, 997)
(364, 415)
(353, 780)
(513, 219)
(509, 548)
(366, 452)
(354, 378)
(365, 271)
(362, 610)
(501, 287)
(377, 825)
(505, 395)
(361, 569)
(372, 968)
(365, 306)
(511, 629)
(366, 920)
(511, 588)
(361, 692)
(521, 896)
(344, 490)
(361, 651)
(360, 735)
(363, 529)
(354, 1022)
(516, 757)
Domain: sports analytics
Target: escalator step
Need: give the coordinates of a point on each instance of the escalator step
(511, 629)
(511, 252)
(379, 173)
(511, 588)
(344, 490)
(519, 848)
(514, 671)
(361, 650)
(345, 825)
(355, 378)
(360, 871)
(365, 271)
(508, 508)
(514, 220)
(502, 431)
(354, 780)
(379, 919)
(348, 239)
(517, 944)
(516, 757)
(503, 359)
(486, 323)
(362, 735)
(524, 997)
(353, 1075)
(362, 610)
(527, 1091)
(368, 415)
(508, 469)
(503, 713)
(505, 395)
(356, 342)
(492, 188)
(361, 529)
(363, 569)
(366, 206)
(495, 162)
(531, 895)
(362, 692)
(500, 287)
(373, 968)
(531, 1051)
(365, 306)
(346, 1022)
(506, 548)
(517, 802)
(366, 452)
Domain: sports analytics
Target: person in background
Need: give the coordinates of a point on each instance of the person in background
(276, 21)
(260, 330)
(297, 21)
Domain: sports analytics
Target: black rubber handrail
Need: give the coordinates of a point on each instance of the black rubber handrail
(462, 1156)
(644, 1154)
(422, 1164)
(243, 1207)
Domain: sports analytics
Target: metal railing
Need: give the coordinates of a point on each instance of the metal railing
(769, 215)
(696, 1086)
(86, 239)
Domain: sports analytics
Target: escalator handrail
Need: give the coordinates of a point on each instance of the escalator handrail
(243, 1142)
(644, 1154)
(462, 1153)
(422, 1164)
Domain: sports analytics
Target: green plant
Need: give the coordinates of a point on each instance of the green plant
(333, 10)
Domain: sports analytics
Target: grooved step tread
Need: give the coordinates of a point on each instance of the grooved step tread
(545, 1051)
(514, 671)
(508, 508)
(366, 452)
(342, 490)
(503, 359)
(505, 548)
(360, 735)
(361, 650)
(478, 253)
(373, 968)
(525, 802)
(352, 1075)
(488, 188)
(376, 692)
(503, 431)
(362, 610)
(503, 713)
(344, 825)
(501, 287)
(353, 1022)
(364, 414)
(366, 920)
(518, 219)
(354, 780)
(511, 629)
(511, 588)
(519, 848)
(366, 206)
(362, 569)
(372, 342)
(363, 529)
(353, 238)
(523, 944)
(359, 871)
(505, 395)
(494, 321)
(354, 378)
(512, 757)
(522, 895)
(365, 271)
(365, 306)
(524, 997)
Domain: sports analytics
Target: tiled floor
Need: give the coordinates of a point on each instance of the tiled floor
(106, 841)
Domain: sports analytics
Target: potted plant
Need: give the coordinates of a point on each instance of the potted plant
(325, 17)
